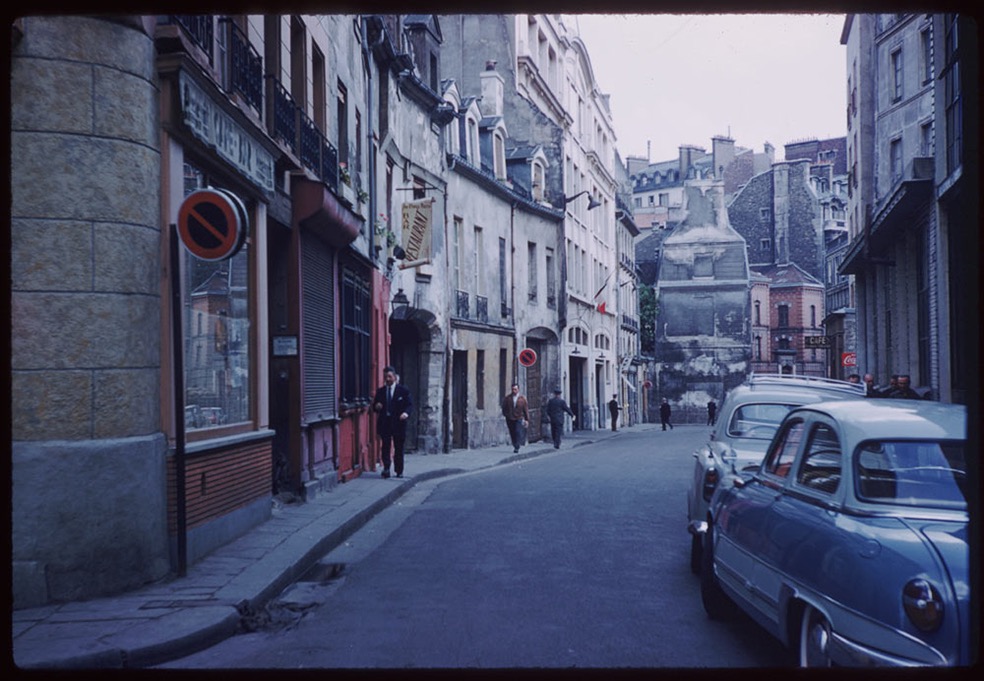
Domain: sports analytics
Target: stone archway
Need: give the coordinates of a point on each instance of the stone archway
(418, 353)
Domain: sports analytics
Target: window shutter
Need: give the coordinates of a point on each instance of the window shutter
(318, 325)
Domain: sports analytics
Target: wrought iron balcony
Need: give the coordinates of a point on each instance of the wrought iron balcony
(482, 309)
(199, 27)
(282, 119)
(462, 308)
(245, 67)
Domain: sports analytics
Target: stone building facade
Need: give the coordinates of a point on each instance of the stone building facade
(88, 444)
(912, 142)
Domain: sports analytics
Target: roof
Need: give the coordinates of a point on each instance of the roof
(787, 274)
(887, 419)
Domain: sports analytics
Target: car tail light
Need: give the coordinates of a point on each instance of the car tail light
(922, 604)
(711, 478)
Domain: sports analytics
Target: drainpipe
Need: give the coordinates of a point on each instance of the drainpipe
(446, 401)
(512, 288)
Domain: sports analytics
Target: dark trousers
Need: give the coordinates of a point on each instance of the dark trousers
(555, 430)
(516, 434)
(665, 420)
(397, 442)
(710, 418)
(614, 421)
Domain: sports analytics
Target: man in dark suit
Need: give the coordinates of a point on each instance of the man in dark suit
(556, 408)
(393, 406)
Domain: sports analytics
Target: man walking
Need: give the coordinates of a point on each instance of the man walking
(664, 414)
(393, 406)
(711, 412)
(517, 413)
(613, 409)
(556, 408)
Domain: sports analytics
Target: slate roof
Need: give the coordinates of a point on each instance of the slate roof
(787, 275)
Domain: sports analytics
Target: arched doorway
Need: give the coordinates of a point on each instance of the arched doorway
(405, 358)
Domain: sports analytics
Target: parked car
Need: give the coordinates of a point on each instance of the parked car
(745, 424)
(850, 541)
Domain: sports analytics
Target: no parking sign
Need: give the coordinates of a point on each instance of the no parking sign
(527, 357)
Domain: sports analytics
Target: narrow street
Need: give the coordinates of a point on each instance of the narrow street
(573, 559)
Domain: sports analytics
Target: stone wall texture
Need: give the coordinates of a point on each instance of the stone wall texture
(89, 503)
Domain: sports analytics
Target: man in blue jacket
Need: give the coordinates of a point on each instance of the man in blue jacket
(393, 406)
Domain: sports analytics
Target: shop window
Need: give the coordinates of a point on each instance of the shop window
(356, 327)
(218, 384)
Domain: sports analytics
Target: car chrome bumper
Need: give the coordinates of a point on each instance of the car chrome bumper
(847, 653)
(697, 527)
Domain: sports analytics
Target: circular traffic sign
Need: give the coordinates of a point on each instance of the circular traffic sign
(212, 224)
(527, 357)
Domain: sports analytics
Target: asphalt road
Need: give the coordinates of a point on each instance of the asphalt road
(576, 559)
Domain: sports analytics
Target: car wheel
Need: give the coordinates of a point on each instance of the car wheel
(695, 552)
(814, 639)
(716, 603)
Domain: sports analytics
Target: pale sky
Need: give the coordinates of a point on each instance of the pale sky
(682, 79)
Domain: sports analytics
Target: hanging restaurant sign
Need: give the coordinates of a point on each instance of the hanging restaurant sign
(417, 217)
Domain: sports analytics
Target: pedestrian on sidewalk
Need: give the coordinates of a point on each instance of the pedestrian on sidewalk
(712, 409)
(664, 414)
(556, 408)
(613, 409)
(393, 405)
(517, 413)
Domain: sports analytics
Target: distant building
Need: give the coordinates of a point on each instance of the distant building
(795, 313)
(702, 339)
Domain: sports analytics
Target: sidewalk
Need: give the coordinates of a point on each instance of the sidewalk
(172, 619)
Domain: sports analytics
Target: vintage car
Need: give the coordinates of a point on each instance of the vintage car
(745, 424)
(850, 541)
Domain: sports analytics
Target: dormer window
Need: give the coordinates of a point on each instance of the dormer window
(538, 180)
(499, 155)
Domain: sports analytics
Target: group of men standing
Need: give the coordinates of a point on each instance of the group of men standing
(899, 387)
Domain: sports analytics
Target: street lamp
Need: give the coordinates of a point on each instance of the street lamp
(400, 304)
(592, 204)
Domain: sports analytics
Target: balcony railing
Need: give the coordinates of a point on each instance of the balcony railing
(463, 304)
(245, 68)
(482, 309)
(200, 29)
(282, 123)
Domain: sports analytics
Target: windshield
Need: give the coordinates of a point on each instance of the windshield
(757, 421)
(912, 473)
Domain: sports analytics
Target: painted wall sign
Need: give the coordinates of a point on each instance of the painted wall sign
(849, 359)
(213, 126)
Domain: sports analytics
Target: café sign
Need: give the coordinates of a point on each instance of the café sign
(214, 127)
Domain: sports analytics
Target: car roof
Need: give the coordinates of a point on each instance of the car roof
(801, 382)
(889, 419)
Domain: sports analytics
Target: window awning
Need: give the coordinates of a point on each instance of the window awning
(317, 209)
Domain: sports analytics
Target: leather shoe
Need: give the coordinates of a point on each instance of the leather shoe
(386, 474)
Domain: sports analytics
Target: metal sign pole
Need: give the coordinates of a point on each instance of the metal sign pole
(177, 353)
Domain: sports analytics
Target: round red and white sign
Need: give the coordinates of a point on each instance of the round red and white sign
(527, 357)
(212, 224)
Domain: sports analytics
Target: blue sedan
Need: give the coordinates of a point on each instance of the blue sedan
(849, 543)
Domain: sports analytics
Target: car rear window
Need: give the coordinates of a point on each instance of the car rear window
(912, 473)
(757, 421)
